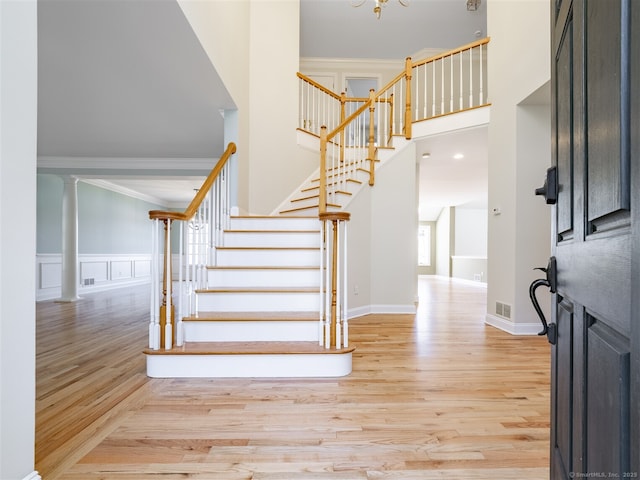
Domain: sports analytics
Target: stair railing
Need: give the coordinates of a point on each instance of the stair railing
(351, 137)
(200, 233)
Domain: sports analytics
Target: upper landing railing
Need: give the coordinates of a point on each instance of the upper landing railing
(352, 130)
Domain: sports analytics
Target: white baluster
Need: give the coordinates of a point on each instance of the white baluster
(301, 103)
(345, 324)
(481, 94)
(168, 327)
(451, 82)
(426, 102)
(433, 88)
(470, 78)
(181, 300)
(327, 289)
(461, 88)
(442, 86)
(154, 323)
(338, 288)
(322, 292)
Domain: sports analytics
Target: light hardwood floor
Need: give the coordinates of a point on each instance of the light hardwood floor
(437, 395)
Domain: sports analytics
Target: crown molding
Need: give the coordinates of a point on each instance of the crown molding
(125, 163)
(340, 63)
(106, 185)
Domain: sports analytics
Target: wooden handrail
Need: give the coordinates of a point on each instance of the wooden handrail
(448, 53)
(202, 192)
(320, 87)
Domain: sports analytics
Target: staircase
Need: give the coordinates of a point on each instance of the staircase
(259, 315)
(265, 296)
(342, 182)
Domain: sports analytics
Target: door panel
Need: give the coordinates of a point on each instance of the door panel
(608, 419)
(564, 106)
(594, 387)
(562, 398)
(606, 164)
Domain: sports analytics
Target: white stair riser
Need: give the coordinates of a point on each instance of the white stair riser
(258, 302)
(263, 278)
(272, 239)
(250, 331)
(247, 366)
(264, 258)
(273, 223)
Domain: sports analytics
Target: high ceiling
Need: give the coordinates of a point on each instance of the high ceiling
(108, 92)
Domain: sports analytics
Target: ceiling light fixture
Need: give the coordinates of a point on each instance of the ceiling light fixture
(458, 156)
(377, 9)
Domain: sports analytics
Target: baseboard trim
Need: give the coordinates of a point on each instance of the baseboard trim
(512, 327)
(382, 310)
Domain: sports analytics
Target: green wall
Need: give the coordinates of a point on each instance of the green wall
(108, 222)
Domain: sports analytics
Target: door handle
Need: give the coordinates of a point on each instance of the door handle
(550, 188)
(550, 280)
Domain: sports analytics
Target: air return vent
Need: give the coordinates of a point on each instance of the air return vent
(503, 309)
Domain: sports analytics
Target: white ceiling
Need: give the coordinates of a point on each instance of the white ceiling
(107, 91)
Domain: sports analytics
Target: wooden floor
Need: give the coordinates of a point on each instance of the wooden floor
(437, 395)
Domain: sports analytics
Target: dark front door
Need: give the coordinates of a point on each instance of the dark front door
(596, 134)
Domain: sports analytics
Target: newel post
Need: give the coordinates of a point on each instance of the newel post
(372, 139)
(343, 115)
(322, 201)
(407, 109)
(336, 331)
(161, 333)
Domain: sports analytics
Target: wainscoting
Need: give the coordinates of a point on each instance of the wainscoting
(96, 273)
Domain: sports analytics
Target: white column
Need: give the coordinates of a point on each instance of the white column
(70, 277)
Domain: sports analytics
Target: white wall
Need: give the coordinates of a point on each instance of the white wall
(533, 223)
(259, 69)
(18, 141)
(394, 239)
(471, 232)
(519, 65)
(383, 249)
(445, 235)
(470, 244)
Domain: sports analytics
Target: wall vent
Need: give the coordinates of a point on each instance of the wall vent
(503, 309)
(89, 281)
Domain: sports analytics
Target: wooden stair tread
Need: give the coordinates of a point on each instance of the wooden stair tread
(312, 197)
(299, 209)
(316, 187)
(262, 267)
(268, 248)
(259, 290)
(250, 348)
(264, 216)
(253, 316)
(271, 231)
